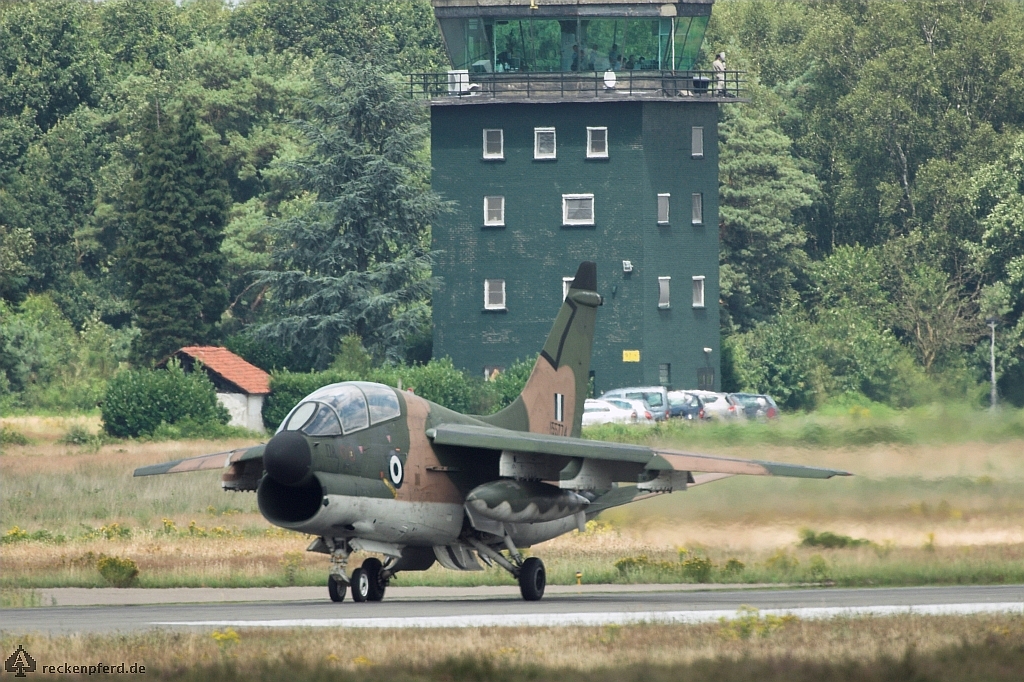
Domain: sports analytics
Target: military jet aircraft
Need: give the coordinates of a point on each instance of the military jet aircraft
(364, 466)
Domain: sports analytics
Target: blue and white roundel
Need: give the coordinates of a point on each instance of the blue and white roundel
(396, 471)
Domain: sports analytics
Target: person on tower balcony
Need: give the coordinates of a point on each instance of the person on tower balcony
(718, 66)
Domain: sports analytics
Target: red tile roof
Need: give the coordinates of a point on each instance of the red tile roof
(250, 378)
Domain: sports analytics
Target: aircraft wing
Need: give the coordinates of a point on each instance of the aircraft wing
(217, 460)
(655, 459)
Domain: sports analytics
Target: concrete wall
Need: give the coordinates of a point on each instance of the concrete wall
(649, 153)
(245, 410)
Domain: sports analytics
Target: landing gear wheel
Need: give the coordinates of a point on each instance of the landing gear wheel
(371, 569)
(532, 579)
(335, 588)
(360, 585)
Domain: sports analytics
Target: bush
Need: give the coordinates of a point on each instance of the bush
(9, 436)
(137, 402)
(829, 540)
(117, 571)
(698, 569)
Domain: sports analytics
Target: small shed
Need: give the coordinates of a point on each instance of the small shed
(241, 386)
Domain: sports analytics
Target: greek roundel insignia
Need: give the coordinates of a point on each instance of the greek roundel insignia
(396, 471)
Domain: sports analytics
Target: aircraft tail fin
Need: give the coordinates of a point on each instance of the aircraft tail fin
(552, 400)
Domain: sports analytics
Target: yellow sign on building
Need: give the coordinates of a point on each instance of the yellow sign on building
(631, 356)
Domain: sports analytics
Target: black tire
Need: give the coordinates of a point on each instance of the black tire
(532, 579)
(372, 568)
(336, 589)
(360, 585)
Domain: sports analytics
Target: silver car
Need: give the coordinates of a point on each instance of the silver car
(656, 398)
(719, 405)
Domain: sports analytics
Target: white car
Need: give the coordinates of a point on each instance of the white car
(644, 414)
(604, 412)
(719, 405)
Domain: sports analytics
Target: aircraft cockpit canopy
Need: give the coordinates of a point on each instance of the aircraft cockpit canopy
(343, 408)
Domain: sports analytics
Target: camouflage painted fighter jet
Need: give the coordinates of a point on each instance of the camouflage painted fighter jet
(364, 466)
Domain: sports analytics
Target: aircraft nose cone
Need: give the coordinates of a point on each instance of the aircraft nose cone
(287, 458)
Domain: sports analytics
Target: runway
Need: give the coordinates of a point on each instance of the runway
(582, 607)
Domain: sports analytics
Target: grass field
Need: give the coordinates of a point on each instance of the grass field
(752, 647)
(947, 511)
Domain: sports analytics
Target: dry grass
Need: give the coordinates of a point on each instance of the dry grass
(953, 511)
(580, 649)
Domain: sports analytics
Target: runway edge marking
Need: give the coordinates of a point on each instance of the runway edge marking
(625, 618)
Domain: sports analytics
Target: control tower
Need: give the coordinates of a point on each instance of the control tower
(571, 131)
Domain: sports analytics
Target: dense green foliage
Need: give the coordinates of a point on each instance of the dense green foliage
(138, 402)
(172, 253)
(872, 193)
(356, 261)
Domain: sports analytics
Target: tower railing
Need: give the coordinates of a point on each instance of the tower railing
(645, 84)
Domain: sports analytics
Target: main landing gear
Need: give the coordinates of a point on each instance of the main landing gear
(529, 572)
(369, 581)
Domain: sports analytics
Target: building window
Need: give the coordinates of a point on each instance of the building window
(663, 295)
(698, 292)
(494, 211)
(566, 285)
(494, 144)
(577, 209)
(698, 209)
(665, 374)
(597, 143)
(543, 143)
(697, 142)
(494, 294)
(705, 379)
(663, 209)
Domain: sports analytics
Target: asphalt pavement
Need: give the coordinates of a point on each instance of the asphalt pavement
(473, 607)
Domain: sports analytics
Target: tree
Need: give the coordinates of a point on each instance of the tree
(172, 259)
(356, 261)
(15, 245)
(761, 186)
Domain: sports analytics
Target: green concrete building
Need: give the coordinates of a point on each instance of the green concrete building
(570, 132)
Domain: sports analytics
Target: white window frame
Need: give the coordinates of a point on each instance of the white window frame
(697, 208)
(566, 285)
(591, 154)
(544, 156)
(488, 284)
(697, 142)
(664, 293)
(566, 220)
(698, 291)
(663, 200)
(500, 154)
(500, 220)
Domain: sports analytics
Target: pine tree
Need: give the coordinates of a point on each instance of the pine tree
(761, 186)
(357, 262)
(171, 259)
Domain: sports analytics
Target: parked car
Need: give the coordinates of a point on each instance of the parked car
(656, 398)
(756, 405)
(719, 405)
(604, 412)
(685, 405)
(642, 409)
